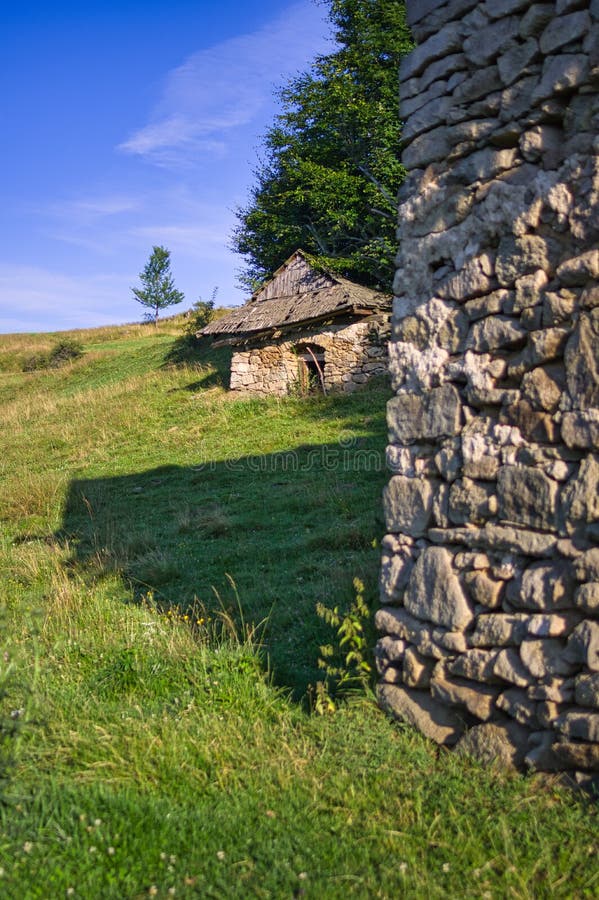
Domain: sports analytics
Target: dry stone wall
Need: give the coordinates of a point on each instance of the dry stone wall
(351, 354)
(490, 571)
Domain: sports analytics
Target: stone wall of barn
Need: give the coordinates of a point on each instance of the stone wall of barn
(490, 572)
(353, 354)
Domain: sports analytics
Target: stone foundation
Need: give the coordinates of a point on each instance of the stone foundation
(348, 354)
(490, 572)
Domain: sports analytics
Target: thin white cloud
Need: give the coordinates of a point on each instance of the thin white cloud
(173, 216)
(226, 87)
(106, 206)
(210, 238)
(86, 209)
(30, 296)
(92, 222)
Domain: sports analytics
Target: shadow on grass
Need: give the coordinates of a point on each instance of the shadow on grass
(290, 529)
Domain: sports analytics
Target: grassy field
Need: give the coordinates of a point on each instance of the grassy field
(163, 546)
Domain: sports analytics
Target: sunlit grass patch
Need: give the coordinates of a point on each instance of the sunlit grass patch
(163, 546)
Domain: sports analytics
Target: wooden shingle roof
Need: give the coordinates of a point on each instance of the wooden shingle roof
(296, 295)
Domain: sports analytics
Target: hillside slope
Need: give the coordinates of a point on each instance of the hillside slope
(163, 546)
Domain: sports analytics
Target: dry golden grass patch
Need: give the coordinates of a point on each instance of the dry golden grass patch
(30, 494)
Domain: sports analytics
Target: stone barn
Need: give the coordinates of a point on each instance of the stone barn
(306, 330)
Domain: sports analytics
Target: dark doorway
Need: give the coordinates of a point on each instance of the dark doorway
(311, 368)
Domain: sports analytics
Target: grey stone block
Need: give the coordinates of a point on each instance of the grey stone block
(583, 645)
(414, 417)
(416, 10)
(515, 703)
(542, 587)
(561, 74)
(477, 699)
(408, 504)
(518, 256)
(512, 63)
(587, 690)
(536, 18)
(546, 657)
(581, 429)
(419, 709)
(586, 598)
(471, 501)
(483, 47)
(579, 723)
(509, 667)
(563, 30)
(527, 497)
(475, 665)
(493, 742)
(434, 592)
(499, 630)
(494, 333)
(446, 41)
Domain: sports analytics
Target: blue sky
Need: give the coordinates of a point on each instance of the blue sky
(129, 124)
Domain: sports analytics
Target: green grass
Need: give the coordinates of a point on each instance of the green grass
(163, 547)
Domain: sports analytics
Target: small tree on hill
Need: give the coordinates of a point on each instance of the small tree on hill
(158, 291)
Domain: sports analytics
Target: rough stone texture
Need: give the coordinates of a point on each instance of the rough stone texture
(580, 498)
(521, 256)
(494, 427)
(396, 566)
(580, 429)
(352, 355)
(579, 723)
(476, 699)
(498, 537)
(586, 566)
(527, 497)
(418, 708)
(571, 755)
(483, 589)
(412, 417)
(544, 658)
(504, 744)
(542, 586)
(515, 703)
(436, 643)
(508, 666)
(587, 598)
(499, 630)
(471, 501)
(408, 505)
(417, 669)
(582, 361)
(542, 388)
(564, 29)
(560, 690)
(587, 690)
(477, 665)
(583, 645)
(434, 592)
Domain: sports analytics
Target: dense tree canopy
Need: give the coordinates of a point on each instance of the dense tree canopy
(329, 177)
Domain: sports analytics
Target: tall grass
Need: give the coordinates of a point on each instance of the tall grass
(163, 547)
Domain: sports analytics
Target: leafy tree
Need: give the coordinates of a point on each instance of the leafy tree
(158, 291)
(329, 178)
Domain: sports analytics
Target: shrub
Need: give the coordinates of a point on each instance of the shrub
(65, 351)
(201, 314)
